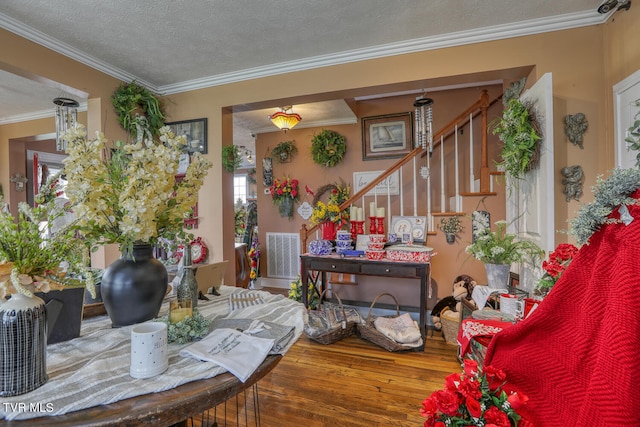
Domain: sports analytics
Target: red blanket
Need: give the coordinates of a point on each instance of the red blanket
(577, 356)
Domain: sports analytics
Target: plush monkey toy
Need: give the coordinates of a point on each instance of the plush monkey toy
(462, 288)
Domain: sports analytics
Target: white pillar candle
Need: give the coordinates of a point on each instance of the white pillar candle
(360, 214)
(372, 209)
(380, 212)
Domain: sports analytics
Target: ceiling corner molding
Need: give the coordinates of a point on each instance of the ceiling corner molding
(36, 115)
(522, 28)
(44, 40)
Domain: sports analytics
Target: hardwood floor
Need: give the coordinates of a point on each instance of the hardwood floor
(349, 383)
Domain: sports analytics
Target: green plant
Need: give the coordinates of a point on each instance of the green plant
(608, 194)
(295, 293)
(500, 247)
(284, 151)
(240, 216)
(251, 176)
(129, 101)
(328, 148)
(187, 330)
(132, 196)
(518, 130)
(34, 247)
(451, 225)
(633, 135)
(231, 158)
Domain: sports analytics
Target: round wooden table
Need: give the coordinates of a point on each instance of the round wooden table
(158, 409)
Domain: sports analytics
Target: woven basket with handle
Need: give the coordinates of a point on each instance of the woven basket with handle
(450, 329)
(368, 331)
(328, 327)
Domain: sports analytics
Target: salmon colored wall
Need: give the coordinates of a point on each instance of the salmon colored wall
(447, 106)
(575, 57)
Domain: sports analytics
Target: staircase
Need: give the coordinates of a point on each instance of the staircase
(433, 184)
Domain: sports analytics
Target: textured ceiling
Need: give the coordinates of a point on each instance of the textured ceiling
(175, 45)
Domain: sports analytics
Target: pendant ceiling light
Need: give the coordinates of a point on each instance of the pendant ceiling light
(285, 120)
(66, 118)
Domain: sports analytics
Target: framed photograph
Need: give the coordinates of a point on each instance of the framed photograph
(387, 137)
(196, 133)
(409, 228)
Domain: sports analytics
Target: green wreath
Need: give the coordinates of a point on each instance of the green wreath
(519, 130)
(328, 148)
(131, 99)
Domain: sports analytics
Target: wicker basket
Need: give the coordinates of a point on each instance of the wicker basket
(327, 328)
(368, 331)
(450, 329)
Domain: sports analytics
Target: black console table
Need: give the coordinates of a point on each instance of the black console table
(365, 267)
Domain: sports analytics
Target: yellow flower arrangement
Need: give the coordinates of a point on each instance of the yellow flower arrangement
(330, 211)
(129, 193)
(325, 212)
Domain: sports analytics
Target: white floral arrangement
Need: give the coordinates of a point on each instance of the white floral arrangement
(129, 193)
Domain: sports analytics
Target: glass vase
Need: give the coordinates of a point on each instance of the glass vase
(187, 289)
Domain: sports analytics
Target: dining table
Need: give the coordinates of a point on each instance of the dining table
(89, 377)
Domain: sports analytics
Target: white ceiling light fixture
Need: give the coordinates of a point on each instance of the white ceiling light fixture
(285, 119)
(66, 119)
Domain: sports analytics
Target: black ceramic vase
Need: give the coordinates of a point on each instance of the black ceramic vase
(133, 287)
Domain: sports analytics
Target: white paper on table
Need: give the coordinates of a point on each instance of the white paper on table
(239, 353)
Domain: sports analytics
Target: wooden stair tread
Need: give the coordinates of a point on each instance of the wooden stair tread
(447, 213)
(479, 193)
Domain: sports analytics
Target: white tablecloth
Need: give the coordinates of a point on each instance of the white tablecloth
(94, 369)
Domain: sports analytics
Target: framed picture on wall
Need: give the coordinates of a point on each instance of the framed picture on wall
(196, 133)
(387, 137)
(409, 228)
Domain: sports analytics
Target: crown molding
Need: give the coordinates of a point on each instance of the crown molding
(42, 39)
(498, 32)
(518, 29)
(36, 115)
